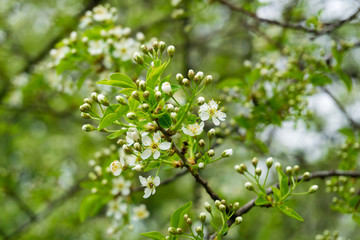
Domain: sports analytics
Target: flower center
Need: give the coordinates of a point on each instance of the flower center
(151, 185)
(154, 146)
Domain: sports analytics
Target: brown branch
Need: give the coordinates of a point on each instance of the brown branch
(317, 174)
(341, 108)
(21, 204)
(330, 27)
(184, 160)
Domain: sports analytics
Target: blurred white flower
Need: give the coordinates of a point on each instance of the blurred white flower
(117, 166)
(140, 212)
(116, 209)
(120, 185)
(150, 183)
(96, 47)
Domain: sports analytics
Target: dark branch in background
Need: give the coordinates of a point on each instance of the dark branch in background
(329, 27)
(341, 108)
(317, 174)
(47, 211)
(22, 205)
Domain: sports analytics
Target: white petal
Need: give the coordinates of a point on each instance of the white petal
(153, 191)
(165, 145)
(125, 192)
(157, 137)
(204, 116)
(221, 115)
(146, 140)
(213, 104)
(146, 154)
(187, 131)
(147, 193)
(143, 180)
(216, 121)
(114, 191)
(117, 172)
(129, 141)
(156, 181)
(204, 107)
(201, 125)
(156, 154)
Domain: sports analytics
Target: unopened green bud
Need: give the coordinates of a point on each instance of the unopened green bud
(289, 170)
(186, 217)
(211, 153)
(243, 167)
(94, 96)
(222, 207)
(200, 101)
(258, 171)
(189, 221)
(102, 100)
(202, 217)
(121, 142)
(185, 82)
(306, 175)
(85, 115)
(85, 108)
(135, 95)
(198, 77)
(296, 169)
(162, 46)
(211, 133)
(249, 186)
(202, 143)
(137, 146)
(278, 165)
(254, 161)
(313, 188)
(144, 49)
(171, 51)
(131, 115)
(172, 230)
(198, 230)
(207, 207)
(142, 85)
(236, 205)
(127, 149)
(179, 78)
(121, 100)
(138, 58)
(179, 230)
(156, 46)
(238, 220)
(191, 74)
(146, 95)
(217, 203)
(145, 107)
(269, 162)
(208, 80)
(157, 95)
(88, 128)
(88, 100)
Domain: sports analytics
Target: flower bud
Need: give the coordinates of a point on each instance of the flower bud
(142, 85)
(313, 188)
(179, 230)
(138, 58)
(258, 171)
(208, 80)
(222, 207)
(146, 95)
(201, 165)
(137, 146)
(199, 77)
(254, 161)
(200, 101)
(238, 220)
(269, 162)
(88, 100)
(249, 186)
(157, 95)
(135, 95)
(202, 217)
(289, 170)
(217, 203)
(162, 46)
(138, 167)
(277, 165)
(185, 82)
(296, 169)
(202, 143)
(179, 78)
(186, 217)
(144, 49)
(191, 74)
(102, 100)
(166, 88)
(145, 107)
(131, 115)
(88, 128)
(171, 51)
(236, 205)
(227, 153)
(169, 107)
(306, 175)
(207, 207)
(243, 167)
(94, 96)
(127, 149)
(85, 108)
(189, 221)
(211, 153)
(85, 115)
(211, 133)
(172, 230)
(156, 46)
(121, 100)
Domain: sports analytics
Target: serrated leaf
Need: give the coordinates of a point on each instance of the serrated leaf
(153, 235)
(178, 215)
(112, 113)
(165, 121)
(91, 205)
(290, 212)
(119, 80)
(283, 182)
(319, 79)
(117, 134)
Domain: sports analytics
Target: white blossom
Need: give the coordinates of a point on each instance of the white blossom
(116, 209)
(125, 49)
(166, 88)
(140, 212)
(193, 129)
(132, 136)
(210, 110)
(59, 53)
(150, 183)
(96, 47)
(120, 185)
(227, 153)
(153, 146)
(102, 14)
(117, 166)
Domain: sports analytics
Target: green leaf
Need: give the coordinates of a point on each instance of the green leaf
(261, 200)
(191, 119)
(112, 113)
(154, 74)
(348, 132)
(283, 182)
(165, 121)
(119, 80)
(277, 193)
(91, 205)
(153, 235)
(290, 212)
(345, 78)
(319, 79)
(152, 165)
(356, 217)
(178, 215)
(181, 112)
(116, 134)
(133, 104)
